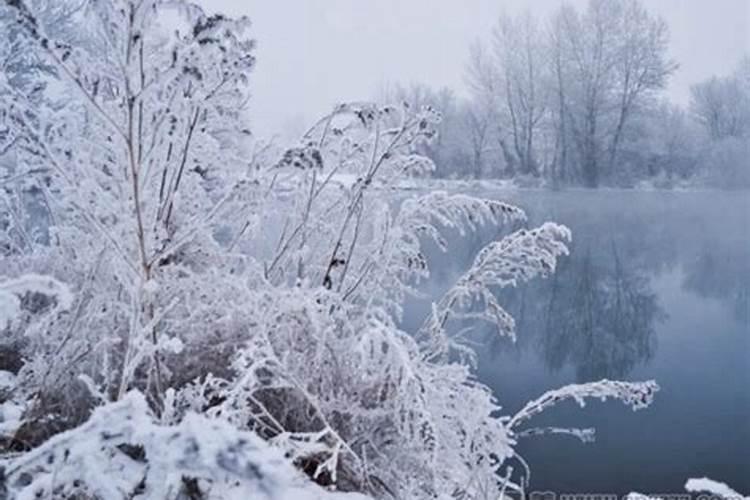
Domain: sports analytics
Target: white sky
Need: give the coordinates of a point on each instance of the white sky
(315, 53)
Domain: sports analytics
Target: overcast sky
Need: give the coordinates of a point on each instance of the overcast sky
(315, 53)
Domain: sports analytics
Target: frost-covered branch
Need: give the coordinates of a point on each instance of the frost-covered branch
(637, 395)
(516, 258)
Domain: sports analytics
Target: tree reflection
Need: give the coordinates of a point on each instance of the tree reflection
(599, 313)
(603, 324)
(596, 314)
(722, 273)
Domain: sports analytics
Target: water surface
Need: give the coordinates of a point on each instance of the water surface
(656, 286)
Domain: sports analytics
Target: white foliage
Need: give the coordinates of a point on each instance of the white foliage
(516, 258)
(637, 395)
(129, 145)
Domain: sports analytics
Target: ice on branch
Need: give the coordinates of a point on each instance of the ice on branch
(516, 258)
(637, 395)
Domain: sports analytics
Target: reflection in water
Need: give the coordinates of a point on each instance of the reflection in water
(645, 268)
(596, 314)
(723, 274)
(600, 318)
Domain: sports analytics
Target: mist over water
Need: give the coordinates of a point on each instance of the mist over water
(656, 287)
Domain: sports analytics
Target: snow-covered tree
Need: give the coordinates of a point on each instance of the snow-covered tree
(566, 92)
(722, 104)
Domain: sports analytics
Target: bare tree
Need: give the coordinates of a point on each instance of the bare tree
(589, 76)
(477, 120)
(484, 83)
(722, 104)
(608, 60)
(641, 64)
(519, 60)
(444, 150)
(559, 166)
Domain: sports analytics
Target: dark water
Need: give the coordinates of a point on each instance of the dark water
(657, 286)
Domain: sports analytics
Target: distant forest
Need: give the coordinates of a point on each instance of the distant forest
(579, 98)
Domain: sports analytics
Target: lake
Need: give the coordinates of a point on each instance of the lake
(656, 287)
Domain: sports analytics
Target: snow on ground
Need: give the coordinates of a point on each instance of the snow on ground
(122, 452)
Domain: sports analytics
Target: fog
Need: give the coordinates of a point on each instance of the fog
(312, 55)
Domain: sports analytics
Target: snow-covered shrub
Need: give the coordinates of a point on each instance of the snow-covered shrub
(326, 373)
(262, 294)
(123, 452)
(126, 154)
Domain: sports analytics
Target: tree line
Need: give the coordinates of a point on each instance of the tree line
(578, 98)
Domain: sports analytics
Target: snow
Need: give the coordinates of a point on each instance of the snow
(11, 412)
(10, 307)
(10, 417)
(7, 380)
(121, 450)
(706, 485)
(715, 489)
(37, 283)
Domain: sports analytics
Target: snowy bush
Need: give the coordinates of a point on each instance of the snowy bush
(256, 291)
(121, 452)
